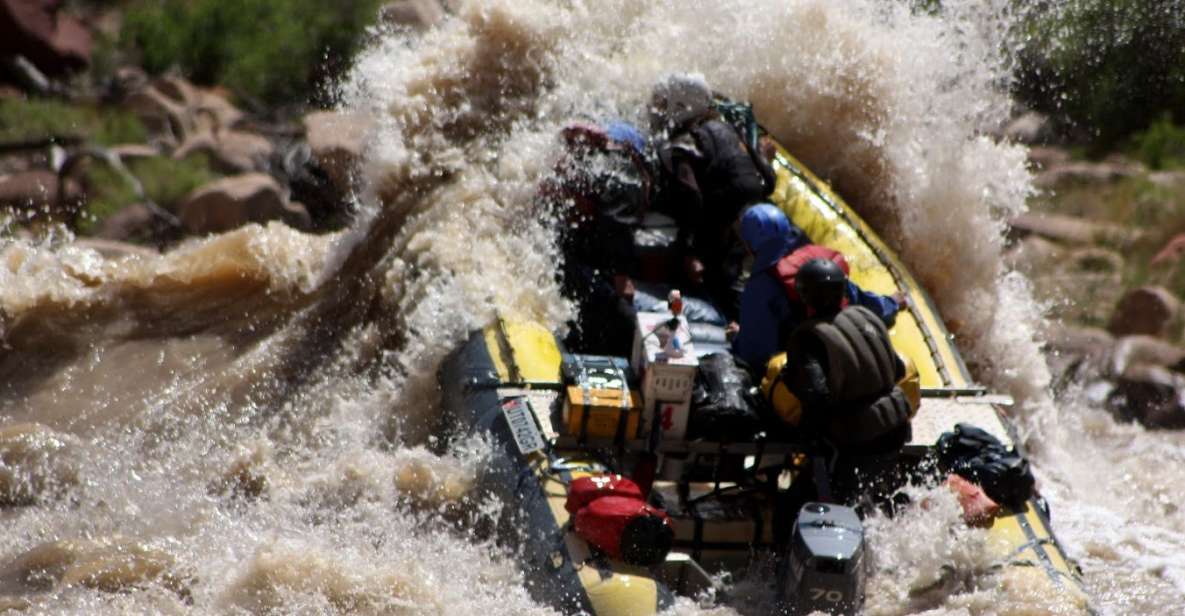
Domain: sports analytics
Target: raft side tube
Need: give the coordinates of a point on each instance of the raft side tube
(559, 567)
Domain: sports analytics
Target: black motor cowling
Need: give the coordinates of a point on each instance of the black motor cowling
(825, 567)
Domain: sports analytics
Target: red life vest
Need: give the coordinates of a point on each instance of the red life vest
(786, 269)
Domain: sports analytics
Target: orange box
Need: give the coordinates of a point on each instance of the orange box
(602, 413)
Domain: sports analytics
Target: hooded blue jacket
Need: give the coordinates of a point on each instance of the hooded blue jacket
(766, 312)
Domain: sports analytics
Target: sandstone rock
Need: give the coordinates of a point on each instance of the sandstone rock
(1082, 172)
(1146, 310)
(1087, 341)
(1067, 229)
(1028, 128)
(54, 42)
(243, 151)
(337, 140)
(213, 111)
(1034, 254)
(1151, 395)
(133, 222)
(1144, 350)
(417, 14)
(230, 151)
(1076, 353)
(128, 79)
(200, 143)
(176, 89)
(1045, 157)
(159, 113)
(134, 151)
(38, 193)
(174, 106)
(232, 202)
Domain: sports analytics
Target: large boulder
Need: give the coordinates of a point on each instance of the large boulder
(133, 223)
(230, 151)
(38, 193)
(173, 107)
(164, 116)
(1069, 230)
(336, 140)
(1083, 172)
(232, 202)
(54, 42)
(1151, 395)
(1076, 352)
(1146, 310)
(1136, 350)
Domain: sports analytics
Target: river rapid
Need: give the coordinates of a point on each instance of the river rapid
(248, 423)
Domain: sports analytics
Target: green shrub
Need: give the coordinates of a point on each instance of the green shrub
(107, 193)
(28, 120)
(1162, 146)
(1106, 67)
(165, 181)
(274, 50)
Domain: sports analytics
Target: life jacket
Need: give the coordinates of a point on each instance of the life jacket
(863, 370)
(732, 175)
(609, 512)
(786, 269)
(619, 184)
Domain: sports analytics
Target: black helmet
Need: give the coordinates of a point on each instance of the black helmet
(821, 283)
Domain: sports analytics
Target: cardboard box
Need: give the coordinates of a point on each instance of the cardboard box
(673, 417)
(602, 413)
(667, 380)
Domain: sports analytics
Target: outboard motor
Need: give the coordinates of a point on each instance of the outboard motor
(825, 569)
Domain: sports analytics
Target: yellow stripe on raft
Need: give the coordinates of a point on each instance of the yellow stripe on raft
(628, 590)
(533, 351)
(1035, 566)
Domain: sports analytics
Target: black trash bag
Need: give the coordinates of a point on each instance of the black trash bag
(724, 406)
(981, 458)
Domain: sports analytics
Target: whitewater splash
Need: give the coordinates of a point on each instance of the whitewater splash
(248, 423)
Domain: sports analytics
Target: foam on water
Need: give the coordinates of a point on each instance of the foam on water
(260, 407)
